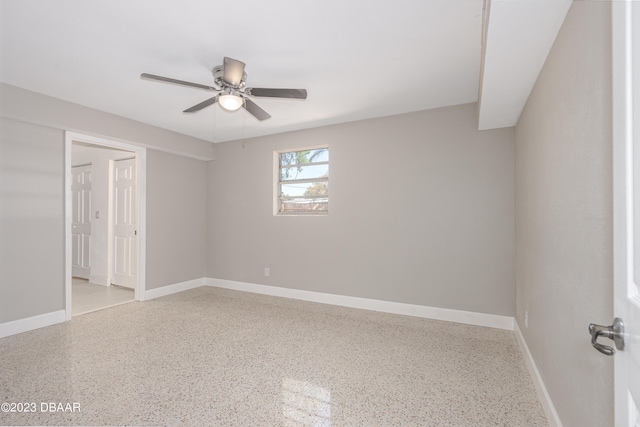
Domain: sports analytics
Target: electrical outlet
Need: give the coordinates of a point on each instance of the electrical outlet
(526, 318)
(266, 271)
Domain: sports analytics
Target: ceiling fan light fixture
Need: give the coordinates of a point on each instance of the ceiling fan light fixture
(230, 101)
(231, 91)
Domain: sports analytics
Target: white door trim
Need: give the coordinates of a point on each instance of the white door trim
(141, 166)
(625, 128)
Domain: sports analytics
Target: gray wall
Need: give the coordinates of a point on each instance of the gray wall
(32, 107)
(176, 219)
(32, 199)
(421, 212)
(564, 272)
(31, 220)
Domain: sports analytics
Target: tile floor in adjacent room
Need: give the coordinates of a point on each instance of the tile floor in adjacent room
(216, 357)
(87, 297)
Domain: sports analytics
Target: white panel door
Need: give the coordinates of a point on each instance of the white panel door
(81, 221)
(124, 243)
(626, 144)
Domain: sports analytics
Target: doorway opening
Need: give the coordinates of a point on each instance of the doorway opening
(105, 184)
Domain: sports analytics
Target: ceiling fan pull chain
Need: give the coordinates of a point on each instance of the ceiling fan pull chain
(215, 125)
(244, 125)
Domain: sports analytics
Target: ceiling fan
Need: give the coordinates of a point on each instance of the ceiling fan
(232, 93)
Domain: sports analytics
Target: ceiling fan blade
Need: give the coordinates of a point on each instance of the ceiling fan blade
(233, 71)
(255, 111)
(178, 82)
(202, 105)
(277, 93)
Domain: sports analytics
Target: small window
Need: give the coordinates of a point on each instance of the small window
(303, 181)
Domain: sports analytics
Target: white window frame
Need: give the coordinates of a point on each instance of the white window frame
(277, 182)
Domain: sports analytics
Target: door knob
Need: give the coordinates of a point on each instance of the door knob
(614, 332)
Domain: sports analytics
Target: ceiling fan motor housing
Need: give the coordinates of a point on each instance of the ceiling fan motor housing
(218, 76)
(230, 81)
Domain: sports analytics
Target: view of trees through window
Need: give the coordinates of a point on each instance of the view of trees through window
(303, 185)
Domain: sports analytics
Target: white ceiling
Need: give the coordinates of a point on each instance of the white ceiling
(358, 59)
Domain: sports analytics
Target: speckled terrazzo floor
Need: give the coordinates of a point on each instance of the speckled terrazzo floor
(225, 358)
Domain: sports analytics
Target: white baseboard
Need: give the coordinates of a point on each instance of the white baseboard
(31, 323)
(549, 409)
(99, 280)
(172, 289)
(449, 315)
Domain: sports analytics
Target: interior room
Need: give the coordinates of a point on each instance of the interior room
(92, 168)
(319, 213)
